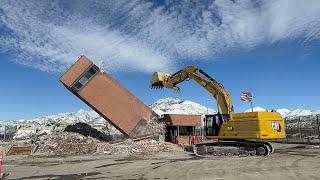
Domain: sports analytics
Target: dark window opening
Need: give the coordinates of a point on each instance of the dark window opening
(85, 78)
(214, 122)
(93, 71)
(185, 130)
(87, 75)
(78, 85)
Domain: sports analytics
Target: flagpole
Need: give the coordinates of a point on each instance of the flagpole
(247, 96)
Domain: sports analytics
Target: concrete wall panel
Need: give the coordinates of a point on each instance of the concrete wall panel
(75, 71)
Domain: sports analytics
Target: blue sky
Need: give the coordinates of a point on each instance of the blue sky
(269, 48)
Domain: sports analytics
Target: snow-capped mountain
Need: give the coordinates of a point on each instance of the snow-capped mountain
(4, 122)
(162, 106)
(177, 106)
(288, 113)
(90, 117)
(302, 112)
(284, 112)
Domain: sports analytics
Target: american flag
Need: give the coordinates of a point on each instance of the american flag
(246, 96)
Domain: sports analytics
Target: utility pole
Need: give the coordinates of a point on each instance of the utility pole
(218, 107)
(285, 120)
(207, 104)
(318, 126)
(299, 126)
(4, 134)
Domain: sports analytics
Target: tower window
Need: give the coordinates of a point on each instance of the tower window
(85, 78)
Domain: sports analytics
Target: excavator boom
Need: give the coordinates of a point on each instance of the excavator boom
(160, 80)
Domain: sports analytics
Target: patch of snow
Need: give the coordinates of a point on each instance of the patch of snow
(300, 112)
(283, 112)
(256, 109)
(177, 106)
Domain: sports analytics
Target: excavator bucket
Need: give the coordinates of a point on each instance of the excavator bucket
(158, 80)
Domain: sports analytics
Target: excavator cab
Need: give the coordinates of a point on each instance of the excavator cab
(213, 122)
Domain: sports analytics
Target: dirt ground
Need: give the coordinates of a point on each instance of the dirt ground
(290, 161)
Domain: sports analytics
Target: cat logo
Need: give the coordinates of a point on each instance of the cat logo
(276, 126)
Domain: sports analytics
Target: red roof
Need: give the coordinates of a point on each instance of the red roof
(182, 120)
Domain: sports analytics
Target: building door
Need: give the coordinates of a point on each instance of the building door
(170, 137)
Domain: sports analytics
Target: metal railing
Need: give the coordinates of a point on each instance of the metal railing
(303, 126)
(303, 129)
(7, 132)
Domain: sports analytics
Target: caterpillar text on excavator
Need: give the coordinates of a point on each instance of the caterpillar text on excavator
(227, 132)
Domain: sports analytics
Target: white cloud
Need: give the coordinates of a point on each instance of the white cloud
(141, 36)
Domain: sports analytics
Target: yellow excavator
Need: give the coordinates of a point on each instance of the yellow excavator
(227, 133)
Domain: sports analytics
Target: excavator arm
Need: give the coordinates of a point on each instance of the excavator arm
(160, 80)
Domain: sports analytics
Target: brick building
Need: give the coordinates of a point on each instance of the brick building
(183, 129)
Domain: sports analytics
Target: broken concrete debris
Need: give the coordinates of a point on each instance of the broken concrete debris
(81, 138)
(143, 147)
(66, 143)
(87, 130)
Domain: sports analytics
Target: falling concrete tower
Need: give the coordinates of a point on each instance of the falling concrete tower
(108, 98)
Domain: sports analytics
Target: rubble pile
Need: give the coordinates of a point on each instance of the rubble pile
(69, 143)
(82, 138)
(66, 143)
(157, 126)
(143, 147)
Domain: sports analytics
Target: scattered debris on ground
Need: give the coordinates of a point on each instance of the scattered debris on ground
(143, 147)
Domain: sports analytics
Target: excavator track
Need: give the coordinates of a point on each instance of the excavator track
(232, 148)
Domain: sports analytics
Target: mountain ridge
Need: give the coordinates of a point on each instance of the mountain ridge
(162, 106)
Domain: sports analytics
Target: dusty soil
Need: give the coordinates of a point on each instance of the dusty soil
(290, 161)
